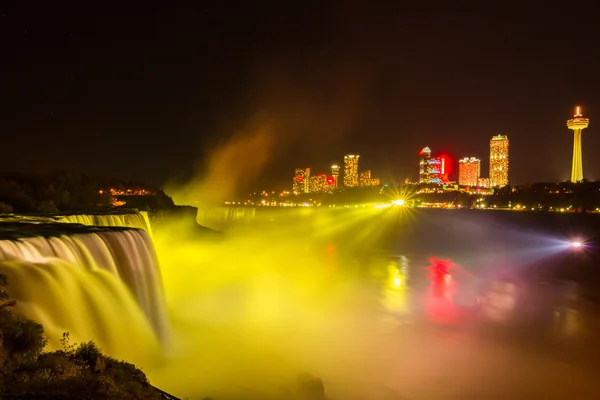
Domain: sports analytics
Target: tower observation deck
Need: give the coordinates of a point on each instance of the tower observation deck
(577, 124)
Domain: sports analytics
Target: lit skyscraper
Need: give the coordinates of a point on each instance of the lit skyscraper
(318, 183)
(577, 124)
(424, 158)
(301, 179)
(351, 170)
(335, 172)
(468, 171)
(365, 179)
(431, 169)
(330, 184)
(499, 161)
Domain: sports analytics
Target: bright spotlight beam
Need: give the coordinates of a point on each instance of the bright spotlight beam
(399, 202)
(576, 244)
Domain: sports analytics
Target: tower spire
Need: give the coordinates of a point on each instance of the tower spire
(577, 124)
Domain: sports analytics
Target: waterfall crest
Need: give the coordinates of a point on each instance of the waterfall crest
(221, 216)
(138, 220)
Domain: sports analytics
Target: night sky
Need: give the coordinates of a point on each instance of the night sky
(147, 93)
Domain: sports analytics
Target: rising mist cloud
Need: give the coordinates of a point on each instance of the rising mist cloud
(292, 116)
(243, 156)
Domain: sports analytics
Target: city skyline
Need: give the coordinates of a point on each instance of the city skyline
(486, 71)
(433, 169)
(500, 157)
(352, 176)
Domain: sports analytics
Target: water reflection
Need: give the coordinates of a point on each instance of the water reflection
(440, 307)
(567, 317)
(396, 293)
(498, 303)
(428, 296)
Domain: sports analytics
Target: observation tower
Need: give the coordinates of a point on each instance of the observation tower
(577, 124)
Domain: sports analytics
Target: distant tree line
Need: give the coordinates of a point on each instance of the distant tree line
(69, 191)
(582, 196)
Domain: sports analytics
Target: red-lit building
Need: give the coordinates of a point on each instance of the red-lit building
(321, 183)
(432, 169)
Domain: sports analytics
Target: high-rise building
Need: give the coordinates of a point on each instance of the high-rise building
(301, 180)
(330, 187)
(424, 158)
(499, 161)
(431, 169)
(318, 184)
(335, 172)
(469, 169)
(577, 124)
(365, 179)
(351, 170)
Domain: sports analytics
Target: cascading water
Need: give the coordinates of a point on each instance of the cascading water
(221, 216)
(138, 220)
(92, 282)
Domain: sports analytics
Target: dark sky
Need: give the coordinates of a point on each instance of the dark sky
(146, 93)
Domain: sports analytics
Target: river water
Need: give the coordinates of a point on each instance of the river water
(379, 305)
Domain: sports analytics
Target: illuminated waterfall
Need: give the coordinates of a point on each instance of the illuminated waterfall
(131, 220)
(102, 285)
(228, 214)
(219, 217)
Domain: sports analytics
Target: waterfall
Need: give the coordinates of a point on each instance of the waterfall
(132, 220)
(102, 284)
(221, 216)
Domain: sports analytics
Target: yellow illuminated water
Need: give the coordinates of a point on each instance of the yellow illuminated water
(284, 293)
(103, 286)
(278, 294)
(255, 307)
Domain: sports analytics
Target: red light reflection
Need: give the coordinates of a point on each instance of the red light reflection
(329, 258)
(439, 302)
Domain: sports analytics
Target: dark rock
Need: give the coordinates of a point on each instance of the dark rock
(310, 388)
